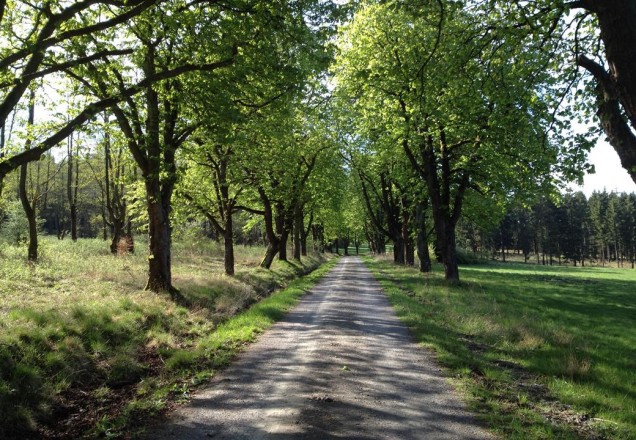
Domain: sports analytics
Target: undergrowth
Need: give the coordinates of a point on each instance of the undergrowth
(84, 351)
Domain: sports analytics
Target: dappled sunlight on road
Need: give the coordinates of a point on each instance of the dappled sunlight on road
(340, 365)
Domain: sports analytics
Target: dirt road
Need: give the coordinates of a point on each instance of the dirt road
(340, 365)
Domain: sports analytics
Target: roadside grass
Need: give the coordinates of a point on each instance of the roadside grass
(542, 352)
(84, 351)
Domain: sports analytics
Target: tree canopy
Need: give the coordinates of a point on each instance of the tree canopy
(305, 120)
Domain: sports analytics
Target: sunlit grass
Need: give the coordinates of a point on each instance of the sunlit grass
(545, 352)
(78, 321)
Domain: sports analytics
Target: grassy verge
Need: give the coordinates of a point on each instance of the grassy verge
(85, 352)
(541, 352)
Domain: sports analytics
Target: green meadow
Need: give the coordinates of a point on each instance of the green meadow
(541, 352)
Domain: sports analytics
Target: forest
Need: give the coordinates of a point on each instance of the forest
(598, 230)
(442, 132)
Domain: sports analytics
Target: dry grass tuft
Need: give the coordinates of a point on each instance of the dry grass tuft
(529, 340)
(562, 338)
(577, 367)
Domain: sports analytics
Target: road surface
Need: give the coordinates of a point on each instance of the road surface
(339, 366)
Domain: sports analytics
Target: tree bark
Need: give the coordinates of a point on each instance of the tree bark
(73, 218)
(282, 246)
(270, 253)
(304, 234)
(298, 228)
(449, 255)
(386, 219)
(283, 228)
(115, 204)
(159, 267)
(2, 142)
(29, 209)
(71, 192)
(273, 241)
(228, 245)
(398, 250)
(409, 250)
(422, 239)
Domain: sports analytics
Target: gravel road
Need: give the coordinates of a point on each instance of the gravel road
(339, 366)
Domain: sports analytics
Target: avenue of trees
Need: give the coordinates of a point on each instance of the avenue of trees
(167, 111)
(303, 122)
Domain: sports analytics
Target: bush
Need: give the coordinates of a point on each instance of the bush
(14, 226)
(465, 257)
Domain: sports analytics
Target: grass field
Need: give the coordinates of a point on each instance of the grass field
(542, 352)
(85, 352)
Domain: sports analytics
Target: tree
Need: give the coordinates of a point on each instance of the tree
(283, 175)
(598, 203)
(72, 183)
(28, 206)
(155, 117)
(51, 26)
(599, 37)
(213, 185)
(381, 193)
(616, 77)
(627, 226)
(461, 101)
(113, 171)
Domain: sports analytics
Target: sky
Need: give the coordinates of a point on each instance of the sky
(610, 175)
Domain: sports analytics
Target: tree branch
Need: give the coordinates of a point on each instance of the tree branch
(96, 107)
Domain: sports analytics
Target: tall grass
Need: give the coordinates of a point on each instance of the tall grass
(80, 340)
(544, 352)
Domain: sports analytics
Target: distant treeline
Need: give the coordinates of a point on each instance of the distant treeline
(79, 203)
(577, 230)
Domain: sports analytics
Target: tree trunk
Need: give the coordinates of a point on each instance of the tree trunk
(29, 211)
(303, 245)
(273, 241)
(228, 245)
(422, 239)
(159, 268)
(449, 255)
(118, 233)
(282, 246)
(398, 250)
(304, 233)
(270, 253)
(74, 222)
(298, 228)
(130, 239)
(409, 250)
(72, 195)
(282, 230)
(2, 142)
(617, 88)
(381, 245)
